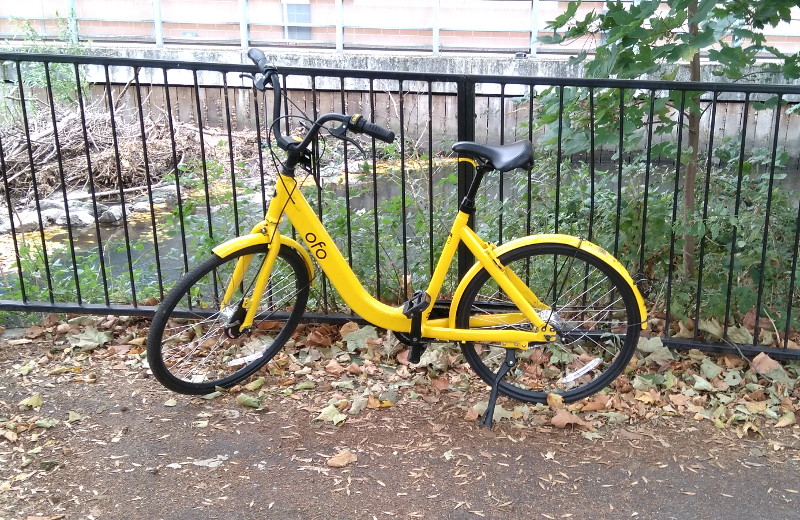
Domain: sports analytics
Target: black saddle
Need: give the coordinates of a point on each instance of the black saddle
(503, 157)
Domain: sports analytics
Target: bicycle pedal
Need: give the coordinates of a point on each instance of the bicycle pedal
(417, 304)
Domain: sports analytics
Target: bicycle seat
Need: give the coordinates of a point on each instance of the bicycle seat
(503, 157)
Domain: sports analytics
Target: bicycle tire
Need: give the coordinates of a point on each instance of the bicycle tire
(188, 349)
(591, 306)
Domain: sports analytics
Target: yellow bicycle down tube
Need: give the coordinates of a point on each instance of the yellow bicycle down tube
(330, 259)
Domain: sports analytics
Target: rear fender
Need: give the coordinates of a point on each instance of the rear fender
(570, 240)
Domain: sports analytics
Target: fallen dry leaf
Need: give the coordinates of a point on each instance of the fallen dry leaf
(334, 368)
(762, 363)
(348, 327)
(596, 403)
(554, 400)
(342, 459)
(564, 418)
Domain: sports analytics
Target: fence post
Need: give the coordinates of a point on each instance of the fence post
(339, 25)
(466, 132)
(244, 25)
(534, 26)
(435, 24)
(158, 25)
(72, 21)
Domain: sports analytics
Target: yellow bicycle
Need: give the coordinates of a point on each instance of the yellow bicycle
(538, 315)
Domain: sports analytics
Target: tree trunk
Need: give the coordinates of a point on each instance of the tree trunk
(690, 178)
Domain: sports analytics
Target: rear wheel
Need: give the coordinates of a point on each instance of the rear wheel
(194, 344)
(590, 305)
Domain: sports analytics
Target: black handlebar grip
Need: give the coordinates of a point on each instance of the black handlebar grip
(259, 59)
(371, 129)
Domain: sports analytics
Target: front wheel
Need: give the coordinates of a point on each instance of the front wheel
(194, 344)
(590, 305)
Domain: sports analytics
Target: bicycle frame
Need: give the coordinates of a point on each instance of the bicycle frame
(289, 201)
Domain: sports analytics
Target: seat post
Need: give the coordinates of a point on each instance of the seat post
(468, 203)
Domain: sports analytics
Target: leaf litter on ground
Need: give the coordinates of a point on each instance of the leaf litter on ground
(342, 372)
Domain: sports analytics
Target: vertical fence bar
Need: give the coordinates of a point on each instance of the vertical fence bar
(558, 154)
(643, 240)
(529, 186)
(620, 151)
(34, 181)
(430, 179)
(177, 168)
(204, 166)
(706, 190)
(466, 132)
(792, 280)
(259, 141)
(318, 176)
(348, 214)
(375, 192)
(10, 207)
(675, 192)
(403, 217)
(118, 163)
(737, 206)
(500, 184)
(765, 236)
(230, 150)
(62, 178)
(592, 171)
(90, 172)
(140, 110)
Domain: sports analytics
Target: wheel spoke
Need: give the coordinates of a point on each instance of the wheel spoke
(587, 303)
(193, 352)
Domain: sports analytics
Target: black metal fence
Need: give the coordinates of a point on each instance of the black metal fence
(119, 175)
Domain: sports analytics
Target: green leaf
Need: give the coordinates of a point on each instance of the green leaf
(358, 338)
(305, 385)
(46, 423)
(248, 400)
(734, 378)
(331, 414)
(703, 385)
(644, 382)
(255, 385)
(34, 401)
(565, 17)
(89, 339)
(709, 369)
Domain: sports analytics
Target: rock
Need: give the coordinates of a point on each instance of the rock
(113, 216)
(140, 207)
(165, 195)
(76, 219)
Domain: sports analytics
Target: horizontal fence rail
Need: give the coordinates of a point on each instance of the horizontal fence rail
(120, 175)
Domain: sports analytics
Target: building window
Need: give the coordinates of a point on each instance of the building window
(297, 14)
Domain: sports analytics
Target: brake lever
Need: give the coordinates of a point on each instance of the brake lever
(260, 82)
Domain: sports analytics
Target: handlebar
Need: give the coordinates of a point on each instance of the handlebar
(355, 123)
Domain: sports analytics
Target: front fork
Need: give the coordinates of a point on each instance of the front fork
(241, 319)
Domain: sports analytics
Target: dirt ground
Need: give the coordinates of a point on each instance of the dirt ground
(108, 442)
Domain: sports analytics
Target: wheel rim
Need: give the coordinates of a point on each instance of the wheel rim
(587, 302)
(194, 353)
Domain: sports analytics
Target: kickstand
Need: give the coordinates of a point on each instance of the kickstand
(508, 364)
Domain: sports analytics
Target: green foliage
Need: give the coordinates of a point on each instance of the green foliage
(617, 224)
(63, 82)
(642, 39)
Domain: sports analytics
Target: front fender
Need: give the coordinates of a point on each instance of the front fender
(255, 239)
(570, 240)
